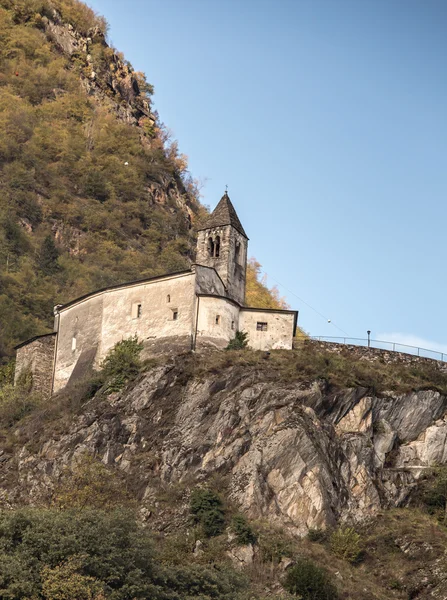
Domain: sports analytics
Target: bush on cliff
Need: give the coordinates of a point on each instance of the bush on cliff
(122, 363)
(207, 510)
(346, 543)
(309, 582)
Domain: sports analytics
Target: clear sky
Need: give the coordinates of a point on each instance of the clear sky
(327, 120)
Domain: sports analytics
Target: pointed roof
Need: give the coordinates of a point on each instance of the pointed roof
(224, 214)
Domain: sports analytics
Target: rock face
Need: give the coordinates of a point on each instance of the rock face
(299, 454)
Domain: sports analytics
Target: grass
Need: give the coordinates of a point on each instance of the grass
(307, 364)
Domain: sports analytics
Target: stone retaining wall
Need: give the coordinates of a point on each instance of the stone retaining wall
(37, 357)
(375, 354)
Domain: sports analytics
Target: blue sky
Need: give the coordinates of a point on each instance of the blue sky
(327, 120)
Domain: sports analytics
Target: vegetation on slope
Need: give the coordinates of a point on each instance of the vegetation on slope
(77, 207)
(88, 197)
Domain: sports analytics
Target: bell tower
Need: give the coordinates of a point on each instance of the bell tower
(222, 244)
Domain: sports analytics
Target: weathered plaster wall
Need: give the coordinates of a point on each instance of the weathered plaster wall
(81, 322)
(209, 331)
(279, 334)
(99, 322)
(159, 301)
(232, 270)
(37, 357)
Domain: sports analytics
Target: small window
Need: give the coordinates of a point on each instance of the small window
(232, 324)
(73, 343)
(217, 247)
(210, 246)
(174, 315)
(261, 326)
(137, 310)
(217, 319)
(168, 298)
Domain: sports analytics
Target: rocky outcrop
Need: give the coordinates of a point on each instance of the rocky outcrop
(299, 454)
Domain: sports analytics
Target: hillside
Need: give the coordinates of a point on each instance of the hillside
(92, 190)
(242, 465)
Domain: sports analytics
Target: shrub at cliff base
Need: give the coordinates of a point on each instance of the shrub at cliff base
(347, 544)
(207, 510)
(244, 533)
(309, 582)
(96, 555)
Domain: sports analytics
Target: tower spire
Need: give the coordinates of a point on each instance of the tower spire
(224, 214)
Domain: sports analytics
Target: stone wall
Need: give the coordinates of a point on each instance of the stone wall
(37, 356)
(375, 354)
(231, 264)
(279, 332)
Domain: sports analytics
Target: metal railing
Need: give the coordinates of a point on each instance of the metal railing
(384, 345)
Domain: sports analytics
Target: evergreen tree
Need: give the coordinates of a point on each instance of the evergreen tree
(48, 256)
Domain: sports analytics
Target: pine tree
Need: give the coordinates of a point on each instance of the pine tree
(48, 256)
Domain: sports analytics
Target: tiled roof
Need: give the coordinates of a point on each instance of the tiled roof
(224, 214)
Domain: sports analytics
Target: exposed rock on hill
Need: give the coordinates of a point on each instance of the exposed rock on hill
(297, 452)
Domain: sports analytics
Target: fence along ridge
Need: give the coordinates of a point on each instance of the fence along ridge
(369, 344)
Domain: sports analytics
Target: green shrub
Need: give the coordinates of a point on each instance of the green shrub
(17, 401)
(97, 554)
(317, 535)
(207, 510)
(244, 533)
(435, 496)
(91, 484)
(7, 373)
(122, 363)
(239, 342)
(346, 544)
(308, 581)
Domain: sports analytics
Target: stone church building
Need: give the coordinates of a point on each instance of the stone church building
(194, 309)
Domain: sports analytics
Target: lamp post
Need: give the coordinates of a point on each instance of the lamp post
(369, 340)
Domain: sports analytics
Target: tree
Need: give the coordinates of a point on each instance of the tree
(239, 342)
(48, 256)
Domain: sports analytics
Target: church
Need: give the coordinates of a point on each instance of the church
(196, 309)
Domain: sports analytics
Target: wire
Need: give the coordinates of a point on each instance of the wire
(307, 304)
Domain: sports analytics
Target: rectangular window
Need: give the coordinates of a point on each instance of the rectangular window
(174, 315)
(232, 324)
(137, 310)
(217, 319)
(261, 326)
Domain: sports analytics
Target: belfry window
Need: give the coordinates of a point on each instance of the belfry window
(214, 247)
(260, 326)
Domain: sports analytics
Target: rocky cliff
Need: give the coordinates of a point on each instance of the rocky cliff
(297, 441)
(300, 452)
